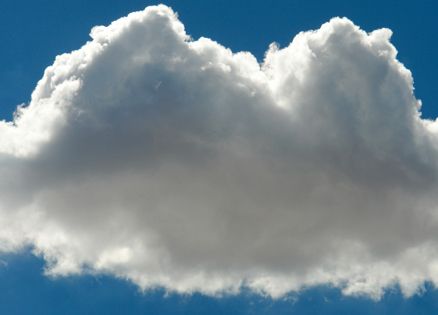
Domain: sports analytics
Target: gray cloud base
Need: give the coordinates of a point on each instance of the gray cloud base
(177, 163)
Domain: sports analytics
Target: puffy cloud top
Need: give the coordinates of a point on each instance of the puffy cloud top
(177, 163)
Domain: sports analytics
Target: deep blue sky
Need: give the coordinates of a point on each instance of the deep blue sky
(33, 32)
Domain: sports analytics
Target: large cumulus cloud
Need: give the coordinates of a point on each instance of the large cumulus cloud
(175, 162)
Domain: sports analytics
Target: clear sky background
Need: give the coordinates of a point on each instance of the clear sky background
(32, 33)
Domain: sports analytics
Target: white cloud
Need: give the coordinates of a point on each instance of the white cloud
(175, 162)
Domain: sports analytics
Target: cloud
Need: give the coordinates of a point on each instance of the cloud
(177, 163)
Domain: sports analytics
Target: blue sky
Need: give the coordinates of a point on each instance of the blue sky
(34, 32)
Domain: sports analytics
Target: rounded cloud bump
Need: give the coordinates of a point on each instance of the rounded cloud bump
(177, 163)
